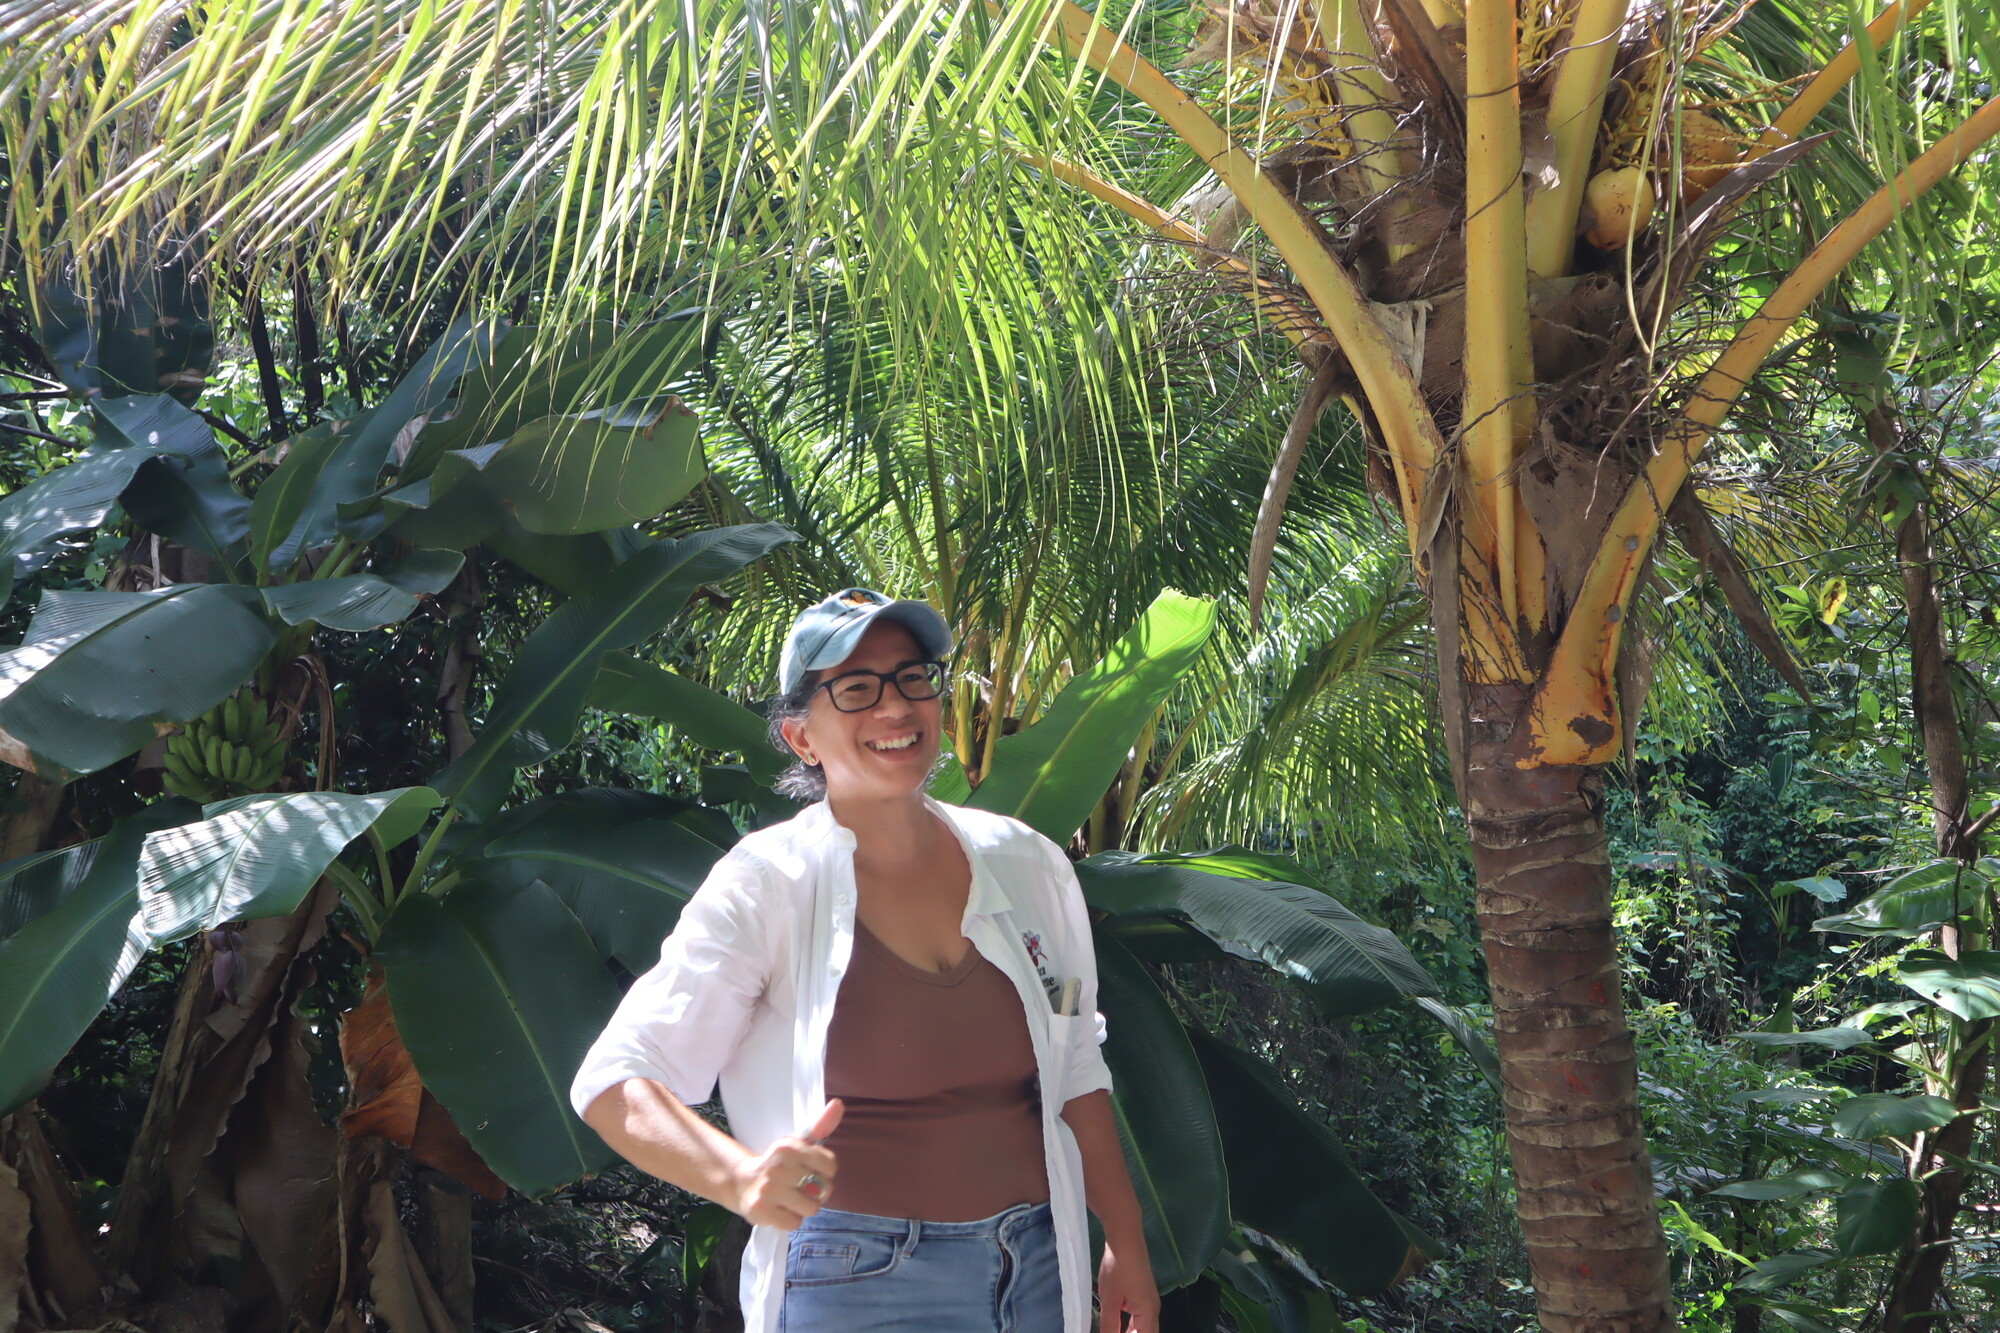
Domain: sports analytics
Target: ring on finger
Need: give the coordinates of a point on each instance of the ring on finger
(812, 1185)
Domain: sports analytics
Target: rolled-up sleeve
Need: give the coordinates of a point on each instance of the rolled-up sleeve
(683, 1020)
(1087, 1071)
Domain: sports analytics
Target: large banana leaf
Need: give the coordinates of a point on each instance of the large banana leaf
(350, 475)
(1916, 901)
(103, 673)
(357, 602)
(535, 708)
(627, 685)
(623, 861)
(61, 500)
(141, 326)
(1343, 962)
(596, 365)
(732, 784)
(277, 536)
(1289, 1177)
(58, 971)
(255, 855)
(556, 475)
(1052, 774)
(185, 494)
(1266, 1292)
(1160, 1098)
(498, 993)
(568, 564)
(32, 886)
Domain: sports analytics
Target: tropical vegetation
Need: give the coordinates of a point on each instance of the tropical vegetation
(1472, 523)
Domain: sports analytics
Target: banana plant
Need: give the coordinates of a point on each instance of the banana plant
(1213, 1140)
(499, 930)
(576, 444)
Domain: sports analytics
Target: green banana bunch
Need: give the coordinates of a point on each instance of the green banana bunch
(233, 749)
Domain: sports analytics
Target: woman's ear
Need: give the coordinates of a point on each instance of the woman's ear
(794, 732)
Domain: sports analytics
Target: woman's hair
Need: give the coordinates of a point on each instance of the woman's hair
(802, 781)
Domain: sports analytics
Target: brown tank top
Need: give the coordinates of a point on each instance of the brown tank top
(937, 1070)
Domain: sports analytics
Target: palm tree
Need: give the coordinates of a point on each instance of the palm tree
(1043, 552)
(1480, 229)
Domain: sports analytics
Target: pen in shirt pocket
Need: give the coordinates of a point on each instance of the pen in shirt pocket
(1072, 994)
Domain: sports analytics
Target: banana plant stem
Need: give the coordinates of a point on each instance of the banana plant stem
(339, 560)
(358, 895)
(429, 849)
(383, 875)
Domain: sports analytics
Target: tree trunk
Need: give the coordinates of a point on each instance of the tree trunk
(1584, 1183)
(1919, 1277)
(30, 813)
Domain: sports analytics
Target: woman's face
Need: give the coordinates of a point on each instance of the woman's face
(881, 752)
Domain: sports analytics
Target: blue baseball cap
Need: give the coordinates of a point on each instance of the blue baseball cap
(827, 632)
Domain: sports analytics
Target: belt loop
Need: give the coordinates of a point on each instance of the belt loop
(916, 1234)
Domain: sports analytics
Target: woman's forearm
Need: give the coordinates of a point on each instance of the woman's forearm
(656, 1131)
(1107, 1185)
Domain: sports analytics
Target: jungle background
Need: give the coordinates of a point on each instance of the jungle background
(1804, 955)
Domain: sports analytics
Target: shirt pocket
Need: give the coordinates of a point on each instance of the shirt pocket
(1065, 1032)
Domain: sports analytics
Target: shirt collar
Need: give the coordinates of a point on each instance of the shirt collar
(816, 825)
(986, 899)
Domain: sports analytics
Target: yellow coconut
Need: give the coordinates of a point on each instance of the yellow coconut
(1708, 152)
(1617, 205)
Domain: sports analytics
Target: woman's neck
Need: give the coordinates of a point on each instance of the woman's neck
(878, 824)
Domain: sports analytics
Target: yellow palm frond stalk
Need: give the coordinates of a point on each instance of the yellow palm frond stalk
(1502, 311)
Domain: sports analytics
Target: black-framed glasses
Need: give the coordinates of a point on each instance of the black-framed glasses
(858, 691)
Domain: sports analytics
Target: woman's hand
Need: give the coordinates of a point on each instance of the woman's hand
(789, 1181)
(1122, 1291)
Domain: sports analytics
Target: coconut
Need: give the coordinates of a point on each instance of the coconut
(1617, 205)
(1708, 152)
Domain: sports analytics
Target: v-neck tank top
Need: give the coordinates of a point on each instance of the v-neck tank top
(943, 1117)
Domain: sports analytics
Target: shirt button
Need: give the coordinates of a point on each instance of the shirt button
(845, 900)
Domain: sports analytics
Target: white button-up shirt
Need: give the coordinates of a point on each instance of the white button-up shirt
(745, 987)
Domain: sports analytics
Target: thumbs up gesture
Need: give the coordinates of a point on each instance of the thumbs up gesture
(792, 1179)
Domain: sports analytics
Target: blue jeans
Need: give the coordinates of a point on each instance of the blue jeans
(853, 1273)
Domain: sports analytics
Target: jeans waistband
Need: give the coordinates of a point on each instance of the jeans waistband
(1001, 1224)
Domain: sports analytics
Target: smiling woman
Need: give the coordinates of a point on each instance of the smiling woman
(827, 634)
(898, 1000)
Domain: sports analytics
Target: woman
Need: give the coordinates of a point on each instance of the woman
(898, 1000)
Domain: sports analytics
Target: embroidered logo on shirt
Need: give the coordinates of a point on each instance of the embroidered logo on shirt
(1040, 959)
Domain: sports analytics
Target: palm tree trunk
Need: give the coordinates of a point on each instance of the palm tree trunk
(1584, 1183)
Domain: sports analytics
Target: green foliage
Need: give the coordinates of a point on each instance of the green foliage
(1160, 1095)
(536, 707)
(257, 856)
(1050, 775)
(1348, 965)
(623, 861)
(58, 970)
(498, 992)
(85, 688)
(1290, 1178)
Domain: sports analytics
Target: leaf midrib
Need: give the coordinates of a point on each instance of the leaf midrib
(579, 859)
(1046, 770)
(590, 655)
(556, 1096)
(57, 959)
